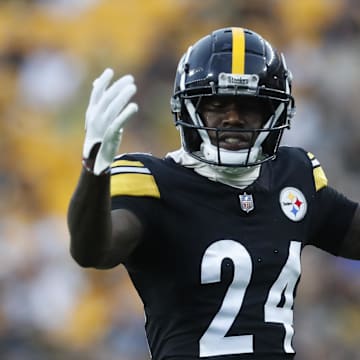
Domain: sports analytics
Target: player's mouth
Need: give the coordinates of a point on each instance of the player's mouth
(235, 142)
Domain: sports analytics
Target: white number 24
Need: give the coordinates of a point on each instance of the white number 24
(214, 342)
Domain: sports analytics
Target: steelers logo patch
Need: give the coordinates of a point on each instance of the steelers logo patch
(293, 203)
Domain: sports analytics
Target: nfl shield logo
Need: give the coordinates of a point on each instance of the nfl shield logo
(246, 202)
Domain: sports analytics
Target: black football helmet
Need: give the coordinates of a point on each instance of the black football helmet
(232, 62)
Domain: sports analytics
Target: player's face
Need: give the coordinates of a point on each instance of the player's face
(229, 113)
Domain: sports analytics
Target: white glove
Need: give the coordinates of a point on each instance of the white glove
(108, 111)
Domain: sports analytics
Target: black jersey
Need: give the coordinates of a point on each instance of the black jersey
(218, 266)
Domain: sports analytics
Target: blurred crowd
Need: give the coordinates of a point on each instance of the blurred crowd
(50, 52)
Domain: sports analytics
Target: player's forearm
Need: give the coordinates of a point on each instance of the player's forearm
(89, 219)
(93, 243)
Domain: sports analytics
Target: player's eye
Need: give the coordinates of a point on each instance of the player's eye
(215, 105)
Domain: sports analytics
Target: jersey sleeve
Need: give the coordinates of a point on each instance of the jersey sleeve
(133, 187)
(331, 215)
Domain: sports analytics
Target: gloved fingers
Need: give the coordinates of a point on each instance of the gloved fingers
(114, 90)
(112, 138)
(122, 119)
(100, 84)
(119, 102)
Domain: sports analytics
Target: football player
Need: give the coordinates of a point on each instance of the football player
(211, 235)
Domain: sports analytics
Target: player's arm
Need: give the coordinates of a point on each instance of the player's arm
(100, 237)
(351, 246)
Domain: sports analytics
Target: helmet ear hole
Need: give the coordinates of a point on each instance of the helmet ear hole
(192, 139)
(272, 142)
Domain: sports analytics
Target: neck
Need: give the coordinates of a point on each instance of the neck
(238, 177)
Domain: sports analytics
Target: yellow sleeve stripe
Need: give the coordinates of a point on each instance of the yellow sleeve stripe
(127, 166)
(129, 169)
(311, 155)
(320, 178)
(134, 184)
(319, 174)
(127, 163)
(314, 161)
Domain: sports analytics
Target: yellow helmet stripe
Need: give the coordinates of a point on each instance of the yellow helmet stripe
(238, 53)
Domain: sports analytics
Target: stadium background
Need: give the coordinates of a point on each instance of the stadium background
(50, 52)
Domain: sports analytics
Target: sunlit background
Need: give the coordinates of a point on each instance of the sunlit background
(50, 52)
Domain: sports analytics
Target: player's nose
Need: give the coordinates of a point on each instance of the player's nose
(233, 117)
